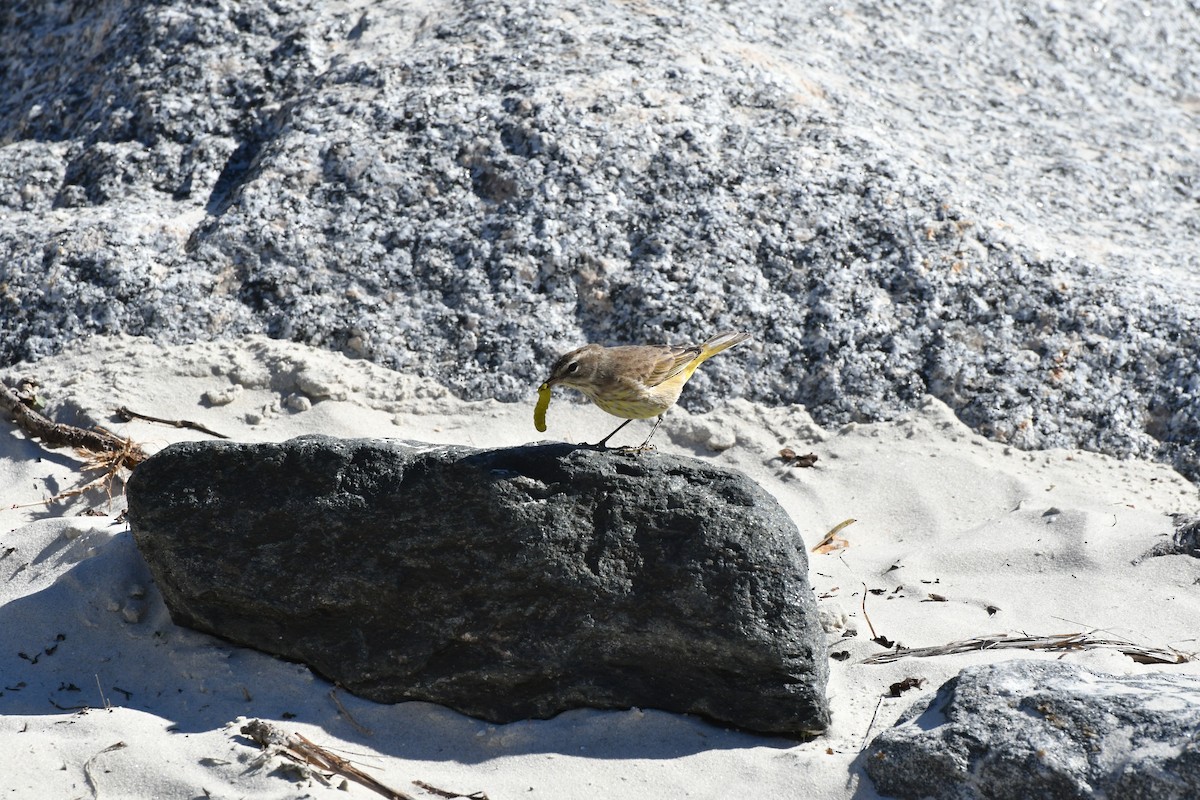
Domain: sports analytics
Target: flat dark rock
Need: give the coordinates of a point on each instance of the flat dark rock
(1045, 729)
(505, 584)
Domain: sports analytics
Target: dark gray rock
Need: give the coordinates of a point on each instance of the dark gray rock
(994, 212)
(1045, 729)
(505, 584)
(1186, 539)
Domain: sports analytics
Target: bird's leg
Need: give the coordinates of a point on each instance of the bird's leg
(646, 444)
(600, 445)
(603, 443)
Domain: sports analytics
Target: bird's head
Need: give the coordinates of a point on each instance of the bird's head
(576, 369)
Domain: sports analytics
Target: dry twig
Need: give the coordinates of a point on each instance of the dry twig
(124, 413)
(111, 465)
(301, 750)
(1062, 641)
(100, 449)
(337, 701)
(452, 795)
(87, 767)
(871, 724)
(54, 434)
(882, 641)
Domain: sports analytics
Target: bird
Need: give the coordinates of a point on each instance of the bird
(631, 381)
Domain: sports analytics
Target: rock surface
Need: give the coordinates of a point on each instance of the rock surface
(1186, 539)
(503, 583)
(1022, 729)
(984, 202)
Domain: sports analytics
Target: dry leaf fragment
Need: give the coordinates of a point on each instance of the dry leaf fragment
(831, 541)
(792, 459)
(900, 687)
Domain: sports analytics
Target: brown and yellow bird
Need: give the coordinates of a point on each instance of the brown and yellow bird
(634, 381)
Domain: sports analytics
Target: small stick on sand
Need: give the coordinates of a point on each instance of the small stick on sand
(103, 700)
(1061, 641)
(864, 610)
(302, 750)
(126, 414)
(452, 795)
(337, 701)
(867, 735)
(883, 641)
(87, 767)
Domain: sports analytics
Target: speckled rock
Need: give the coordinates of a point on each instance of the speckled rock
(982, 203)
(1021, 729)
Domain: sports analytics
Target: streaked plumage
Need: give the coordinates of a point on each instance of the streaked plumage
(636, 381)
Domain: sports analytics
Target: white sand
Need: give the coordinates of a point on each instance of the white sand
(1047, 538)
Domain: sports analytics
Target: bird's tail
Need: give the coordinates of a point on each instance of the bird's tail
(722, 341)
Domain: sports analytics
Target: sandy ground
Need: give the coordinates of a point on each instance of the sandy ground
(955, 537)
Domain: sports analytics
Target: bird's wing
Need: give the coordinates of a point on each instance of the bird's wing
(669, 362)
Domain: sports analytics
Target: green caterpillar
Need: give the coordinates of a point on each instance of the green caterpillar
(539, 412)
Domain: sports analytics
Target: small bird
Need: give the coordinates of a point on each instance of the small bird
(633, 381)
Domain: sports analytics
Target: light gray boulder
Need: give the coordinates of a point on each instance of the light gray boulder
(990, 204)
(1023, 729)
(505, 583)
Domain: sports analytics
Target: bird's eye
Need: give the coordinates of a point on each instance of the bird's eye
(573, 367)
